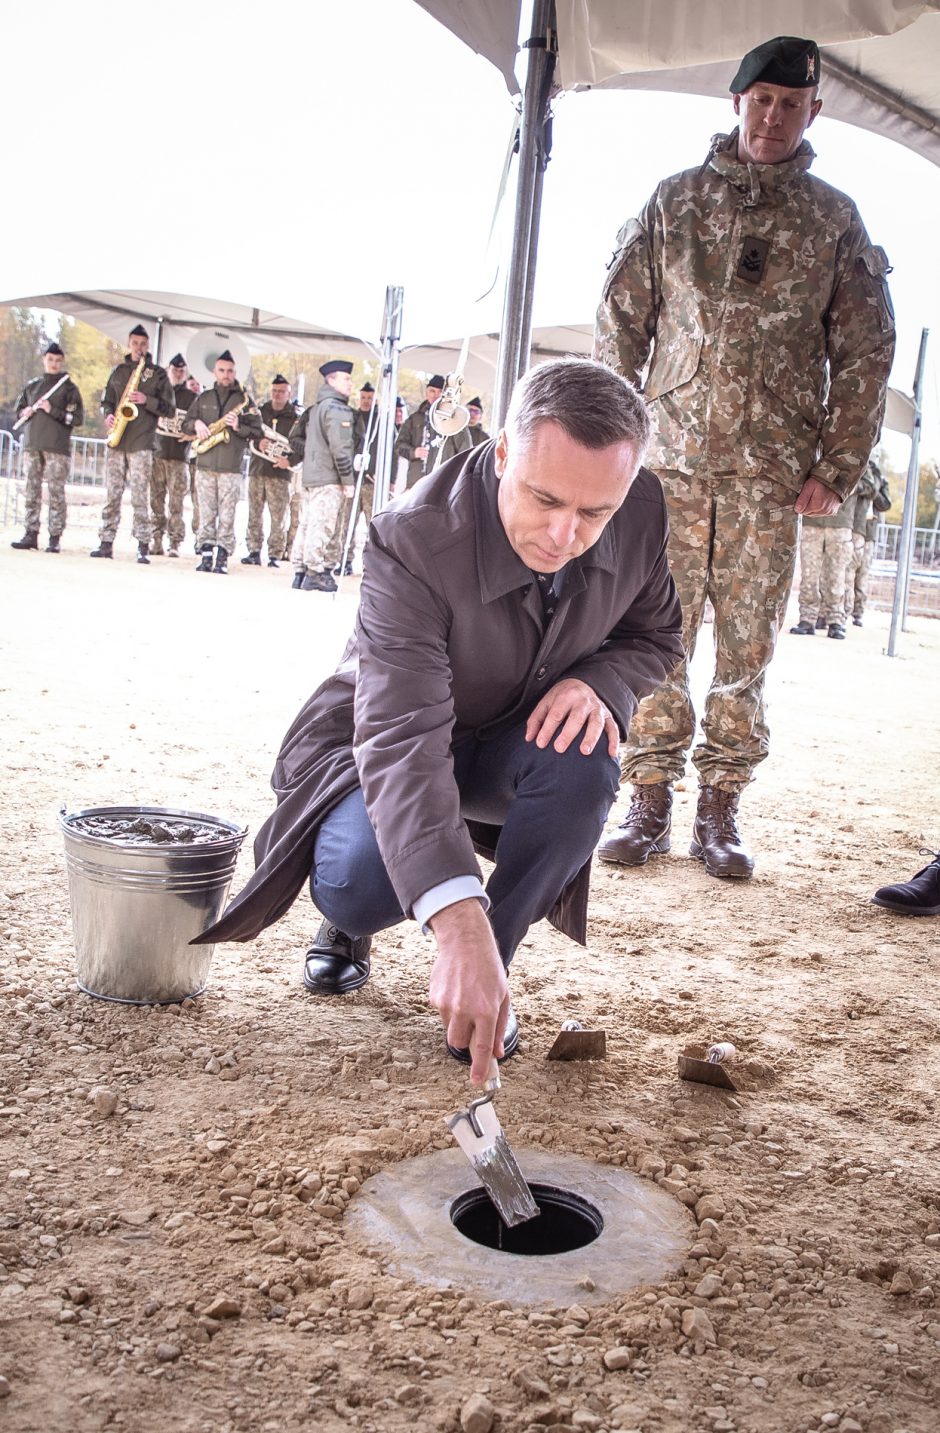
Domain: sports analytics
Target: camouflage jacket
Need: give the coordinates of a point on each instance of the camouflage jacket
(140, 434)
(768, 316)
(51, 432)
(282, 423)
(227, 456)
(324, 438)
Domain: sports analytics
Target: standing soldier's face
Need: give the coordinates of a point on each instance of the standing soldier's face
(774, 119)
(177, 375)
(137, 345)
(53, 362)
(279, 395)
(224, 373)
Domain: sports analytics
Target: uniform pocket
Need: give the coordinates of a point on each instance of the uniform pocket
(791, 395)
(874, 262)
(675, 361)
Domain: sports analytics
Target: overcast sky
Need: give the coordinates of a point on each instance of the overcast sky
(331, 149)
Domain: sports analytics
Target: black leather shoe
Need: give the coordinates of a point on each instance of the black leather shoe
(29, 542)
(510, 1043)
(143, 553)
(716, 839)
(221, 560)
(206, 564)
(252, 560)
(856, 622)
(273, 562)
(104, 549)
(920, 896)
(644, 832)
(836, 631)
(804, 629)
(53, 544)
(335, 963)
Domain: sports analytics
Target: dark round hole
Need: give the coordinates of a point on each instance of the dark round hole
(566, 1222)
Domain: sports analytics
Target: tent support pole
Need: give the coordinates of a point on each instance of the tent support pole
(902, 581)
(388, 392)
(520, 278)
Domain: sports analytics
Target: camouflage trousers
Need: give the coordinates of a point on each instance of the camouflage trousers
(296, 502)
(317, 545)
(733, 541)
(192, 488)
(168, 487)
(824, 553)
(861, 578)
(852, 569)
(54, 467)
(218, 499)
(363, 509)
(275, 491)
(122, 469)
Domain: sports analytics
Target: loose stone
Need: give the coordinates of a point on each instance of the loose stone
(167, 1352)
(223, 1308)
(616, 1358)
(477, 1414)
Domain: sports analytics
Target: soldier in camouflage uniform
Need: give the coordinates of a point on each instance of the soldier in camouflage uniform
(131, 462)
(47, 440)
(880, 503)
(323, 437)
(863, 513)
(170, 480)
(269, 480)
(751, 283)
(219, 465)
(825, 552)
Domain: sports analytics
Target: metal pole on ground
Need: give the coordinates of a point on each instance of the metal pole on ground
(520, 278)
(902, 581)
(388, 392)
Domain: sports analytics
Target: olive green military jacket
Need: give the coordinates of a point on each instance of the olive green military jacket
(324, 438)
(51, 432)
(172, 448)
(140, 434)
(225, 457)
(756, 298)
(282, 423)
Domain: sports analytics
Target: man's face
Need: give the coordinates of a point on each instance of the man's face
(773, 119)
(177, 374)
(342, 382)
(194, 385)
(475, 415)
(432, 394)
(53, 362)
(224, 373)
(556, 497)
(399, 416)
(366, 399)
(280, 392)
(137, 346)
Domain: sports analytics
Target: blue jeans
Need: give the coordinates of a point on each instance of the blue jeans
(551, 808)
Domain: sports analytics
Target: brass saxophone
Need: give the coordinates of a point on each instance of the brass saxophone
(219, 431)
(126, 411)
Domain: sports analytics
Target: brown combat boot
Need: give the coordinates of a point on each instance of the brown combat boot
(715, 836)
(644, 831)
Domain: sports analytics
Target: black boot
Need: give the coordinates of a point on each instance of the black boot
(28, 542)
(821, 624)
(335, 963)
(273, 562)
(716, 839)
(644, 831)
(252, 560)
(920, 896)
(836, 631)
(297, 581)
(143, 551)
(856, 620)
(53, 545)
(221, 560)
(104, 549)
(319, 582)
(804, 628)
(206, 563)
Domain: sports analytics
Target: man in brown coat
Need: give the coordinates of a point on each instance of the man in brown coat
(516, 606)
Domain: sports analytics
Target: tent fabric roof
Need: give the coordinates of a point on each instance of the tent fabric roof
(881, 58)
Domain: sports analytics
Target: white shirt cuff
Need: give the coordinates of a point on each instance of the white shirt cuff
(458, 888)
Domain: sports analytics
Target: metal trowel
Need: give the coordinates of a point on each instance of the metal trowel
(480, 1135)
(709, 1071)
(573, 1042)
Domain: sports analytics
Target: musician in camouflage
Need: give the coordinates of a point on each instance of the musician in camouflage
(50, 408)
(756, 298)
(169, 482)
(269, 480)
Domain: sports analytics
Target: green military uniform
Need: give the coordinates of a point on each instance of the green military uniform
(271, 485)
(218, 472)
(324, 438)
(747, 287)
(47, 441)
(854, 603)
(478, 435)
(169, 483)
(131, 462)
(416, 432)
(825, 554)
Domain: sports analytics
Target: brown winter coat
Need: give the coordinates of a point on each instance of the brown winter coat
(449, 643)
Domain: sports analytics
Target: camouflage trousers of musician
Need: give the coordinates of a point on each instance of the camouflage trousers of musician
(122, 470)
(275, 491)
(54, 467)
(195, 496)
(218, 499)
(296, 503)
(854, 602)
(861, 578)
(317, 546)
(731, 541)
(169, 485)
(824, 555)
(363, 509)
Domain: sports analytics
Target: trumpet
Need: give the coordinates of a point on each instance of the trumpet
(219, 431)
(271, 446)
(126, 411)
(173, 427)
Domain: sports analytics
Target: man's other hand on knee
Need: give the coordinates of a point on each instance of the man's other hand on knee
(567, 708)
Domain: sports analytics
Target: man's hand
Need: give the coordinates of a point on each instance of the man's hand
(816, 500)
(44, 405)
(137, 397)
(421, 453)
(468, 984)
(231, 421)
(27, 412)
(281, 462)
(202, 429)
(572, 705)
(109, 422)
(349, 490)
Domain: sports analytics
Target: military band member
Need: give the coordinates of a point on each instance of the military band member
(132, 460)
(47, 445)
(269, 481)
(171, 479)
(226, 407)
(194, 386)
(323, 437)
(420, 445)
(478, 433)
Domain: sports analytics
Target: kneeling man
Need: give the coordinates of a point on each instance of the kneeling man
(515, 607)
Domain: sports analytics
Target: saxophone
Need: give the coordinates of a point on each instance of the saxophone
(219, 431)
(126, 411)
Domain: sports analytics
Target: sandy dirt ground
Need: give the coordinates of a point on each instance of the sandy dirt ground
(173, 1249)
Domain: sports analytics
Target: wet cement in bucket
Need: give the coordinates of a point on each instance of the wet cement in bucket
(606, 1230)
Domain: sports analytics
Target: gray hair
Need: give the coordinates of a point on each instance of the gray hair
(594, 405)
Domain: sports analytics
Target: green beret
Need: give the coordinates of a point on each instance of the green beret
(787, 61)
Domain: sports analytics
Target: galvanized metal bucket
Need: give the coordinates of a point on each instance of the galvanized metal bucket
(135, 908)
